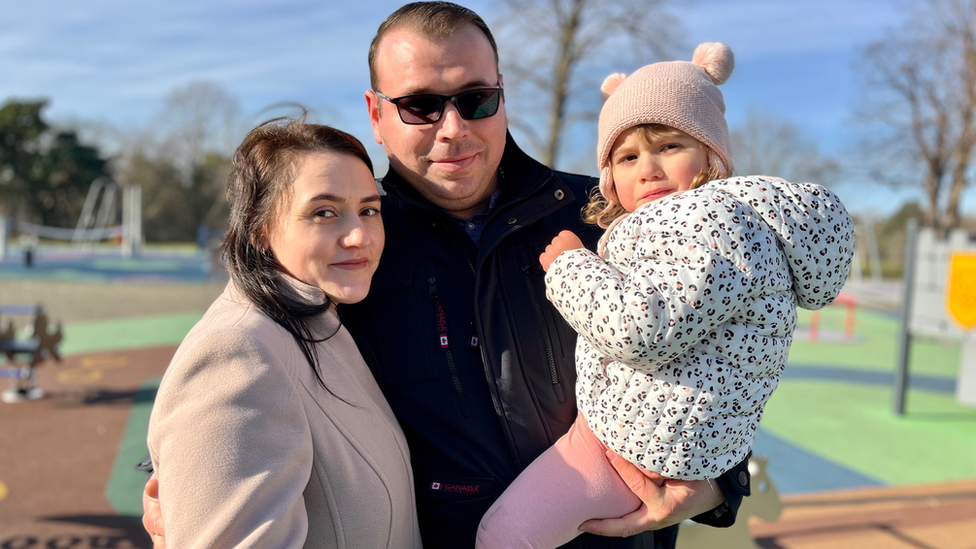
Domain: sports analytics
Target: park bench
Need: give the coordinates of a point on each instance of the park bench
(38, 344)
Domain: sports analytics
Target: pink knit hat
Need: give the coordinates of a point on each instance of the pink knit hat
(679, 94)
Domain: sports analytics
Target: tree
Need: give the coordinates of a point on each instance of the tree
(197, 120)
(920, 95)
(555, 41)
(182, 162)
(769, 145)
(44, 172)
(173, 211)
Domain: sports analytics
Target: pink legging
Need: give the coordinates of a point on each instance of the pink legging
(567, 485)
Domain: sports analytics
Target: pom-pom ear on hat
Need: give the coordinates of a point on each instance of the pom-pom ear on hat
(611, 84)
(716, 60)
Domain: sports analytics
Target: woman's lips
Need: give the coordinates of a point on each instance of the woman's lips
(352, 264)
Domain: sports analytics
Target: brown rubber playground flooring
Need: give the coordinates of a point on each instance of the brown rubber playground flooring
(56, 456)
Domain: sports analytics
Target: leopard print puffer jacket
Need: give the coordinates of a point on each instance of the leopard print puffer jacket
(686, 320)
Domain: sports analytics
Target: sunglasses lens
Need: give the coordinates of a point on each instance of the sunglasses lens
(478, 104)
(420, 109)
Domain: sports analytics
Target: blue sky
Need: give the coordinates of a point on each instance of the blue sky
(113, 61)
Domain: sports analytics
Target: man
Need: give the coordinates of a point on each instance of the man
(476, 364)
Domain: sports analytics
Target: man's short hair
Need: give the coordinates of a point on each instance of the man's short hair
(432, 20)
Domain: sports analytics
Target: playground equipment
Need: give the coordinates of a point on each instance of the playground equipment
(38, 344)
(763, 503)
(929, 307)
(845, 299)
(93, 226)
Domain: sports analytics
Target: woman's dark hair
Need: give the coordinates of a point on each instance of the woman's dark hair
(264, 167)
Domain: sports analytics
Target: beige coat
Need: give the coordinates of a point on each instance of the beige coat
(252, 452)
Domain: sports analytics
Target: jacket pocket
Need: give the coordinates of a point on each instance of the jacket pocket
(554, 338)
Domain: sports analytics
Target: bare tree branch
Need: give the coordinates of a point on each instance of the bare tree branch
(767, 144)
(924, 75)
(548, 45)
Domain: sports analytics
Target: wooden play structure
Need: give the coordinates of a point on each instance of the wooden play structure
(24, 353)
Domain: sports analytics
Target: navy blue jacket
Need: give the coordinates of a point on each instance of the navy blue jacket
(476, 364)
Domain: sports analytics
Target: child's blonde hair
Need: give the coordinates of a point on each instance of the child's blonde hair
(602, 212)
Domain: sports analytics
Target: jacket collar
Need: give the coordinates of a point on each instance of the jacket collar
(294, 289)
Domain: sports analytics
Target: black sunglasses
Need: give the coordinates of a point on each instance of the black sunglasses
(427, 108)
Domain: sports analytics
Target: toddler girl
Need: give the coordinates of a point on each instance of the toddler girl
(686, 314)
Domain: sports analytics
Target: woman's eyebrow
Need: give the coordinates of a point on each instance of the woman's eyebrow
(336, 198)
(327, 196)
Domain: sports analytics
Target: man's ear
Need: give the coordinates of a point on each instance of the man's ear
(501, 80)
(373, 105)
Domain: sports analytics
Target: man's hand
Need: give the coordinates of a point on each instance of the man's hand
(152, 514)
(566, 240)
(662, 506)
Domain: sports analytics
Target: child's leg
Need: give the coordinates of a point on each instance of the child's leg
(567, 485)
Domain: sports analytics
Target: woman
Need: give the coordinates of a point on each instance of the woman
(268, 429)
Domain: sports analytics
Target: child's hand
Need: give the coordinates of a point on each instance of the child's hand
(566, 240)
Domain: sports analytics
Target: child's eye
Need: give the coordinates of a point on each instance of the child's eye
(626, 158)
(670, 146)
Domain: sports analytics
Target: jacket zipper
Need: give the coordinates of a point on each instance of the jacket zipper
(492, 386)
(444, 342)
(534, 297)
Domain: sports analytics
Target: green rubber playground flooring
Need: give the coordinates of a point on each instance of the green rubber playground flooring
(853, 425)
(874, 348)
(128, 333)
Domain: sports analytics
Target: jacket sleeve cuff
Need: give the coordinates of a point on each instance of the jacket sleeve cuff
(734, 485)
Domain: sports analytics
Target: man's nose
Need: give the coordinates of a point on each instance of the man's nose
(452, 125)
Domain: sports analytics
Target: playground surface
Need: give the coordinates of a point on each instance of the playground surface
(849, 471)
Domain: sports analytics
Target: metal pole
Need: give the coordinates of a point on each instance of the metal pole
(126, 221)
(3, 237)
(874, 257)
(131, 220)
(137, 238)
(905, 336)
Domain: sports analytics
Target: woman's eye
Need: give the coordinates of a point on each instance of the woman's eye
(325, 213)
(370, 212)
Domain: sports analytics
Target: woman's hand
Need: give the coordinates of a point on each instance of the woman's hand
(152, 514)
(663, 506)
(566, 240)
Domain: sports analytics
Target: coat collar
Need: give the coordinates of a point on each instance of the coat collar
(322, 325)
